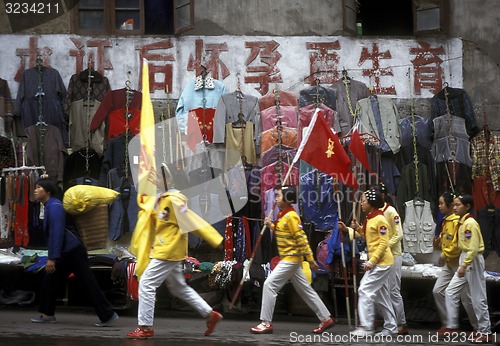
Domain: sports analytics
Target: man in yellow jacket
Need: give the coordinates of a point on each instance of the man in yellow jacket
(470, 272)
(173, 220)
(373, 288)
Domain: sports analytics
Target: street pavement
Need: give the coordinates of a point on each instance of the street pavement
(75, 327)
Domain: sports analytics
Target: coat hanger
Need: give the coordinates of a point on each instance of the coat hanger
(239, 93)
(240, 123)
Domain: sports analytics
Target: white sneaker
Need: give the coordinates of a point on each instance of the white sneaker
(384, 333)
(361, 332)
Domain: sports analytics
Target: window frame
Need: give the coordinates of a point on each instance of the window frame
(443, 6)
(189, 26)
(109, 28)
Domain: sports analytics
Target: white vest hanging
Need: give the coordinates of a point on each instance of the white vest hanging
(418, 227)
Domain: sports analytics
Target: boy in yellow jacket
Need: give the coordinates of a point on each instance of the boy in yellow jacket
(170, 248)
(293, 247)
(470, 271)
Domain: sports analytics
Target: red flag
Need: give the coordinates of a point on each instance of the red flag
(357, 148)
(321, 148)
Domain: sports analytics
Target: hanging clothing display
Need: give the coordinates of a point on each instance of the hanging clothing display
(124, 209)
(418, 227)
(204, 119)
(317, 94)
(423, 133)
(113, 109)
(75, 167)
(199, 93)
(318, 200)
(445, 125)
(489, 221)
(459, 104)
(7, 154)
(271, 137)
(485, 149)
(81, 113)
(285, 98)
(379, 117)
(114, 156)
(5, 104)
(453, 149)
(287, 116)
(407, 188)
(228, 240)
(50, 152)
(228, 108)
(346, 106)
(48, 85)
(78, 88)
(306, 113)
(240, 143)
(273, 154)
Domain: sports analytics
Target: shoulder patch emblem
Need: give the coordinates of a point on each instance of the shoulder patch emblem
(383, 230)
(396, 219)
(468, 233)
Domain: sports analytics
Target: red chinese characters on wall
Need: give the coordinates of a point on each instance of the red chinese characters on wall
(210, 59)
(31, 54)
(428, 73)
(323, 63)
(376, 71)
(265, 67)
(97, 59)
(158, 58)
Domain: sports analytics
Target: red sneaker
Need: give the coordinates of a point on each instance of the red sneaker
(445, 332)
(403, 329)
(262, 328)
(212, 321)
(324, 325)
(141, 333)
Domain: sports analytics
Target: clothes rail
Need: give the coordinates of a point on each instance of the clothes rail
(13, 169)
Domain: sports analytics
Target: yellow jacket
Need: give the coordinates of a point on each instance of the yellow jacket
(173, 222)
(395, 229)
(292, 242)
(470, 239)
(376, 234)
(449, 241)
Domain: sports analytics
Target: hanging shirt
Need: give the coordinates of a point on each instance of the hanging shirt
(115, 100)
(317, 95)
(452, 149)
(357, 91)
(271, 155)
(227, 112)
(194, 95)
(459, 104)
(307, 112)
(272, 136)
(26, 105)
(240, 142)
(379, 116)
(485, 161)
(418, 228)
(80, 115)
(285, 99)
(318, 200)
(445, 126)
(287, 115)
(422, 131)
(205, 120)
(78, 88)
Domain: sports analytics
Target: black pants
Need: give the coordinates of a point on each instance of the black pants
(489, 221)
(76, 261)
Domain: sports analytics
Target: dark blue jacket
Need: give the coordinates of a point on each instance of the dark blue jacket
(59, 241)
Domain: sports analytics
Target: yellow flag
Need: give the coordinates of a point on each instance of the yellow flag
(143, 235)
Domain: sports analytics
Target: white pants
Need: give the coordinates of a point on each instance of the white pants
(439, 292)
(373, 288)
(292, 271)
(156, 272)
(474, 278)
(394, 287)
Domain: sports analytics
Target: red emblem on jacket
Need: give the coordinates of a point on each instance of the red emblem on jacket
(383, 230)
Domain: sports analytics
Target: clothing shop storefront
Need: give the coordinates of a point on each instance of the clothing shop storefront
(230, 114)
